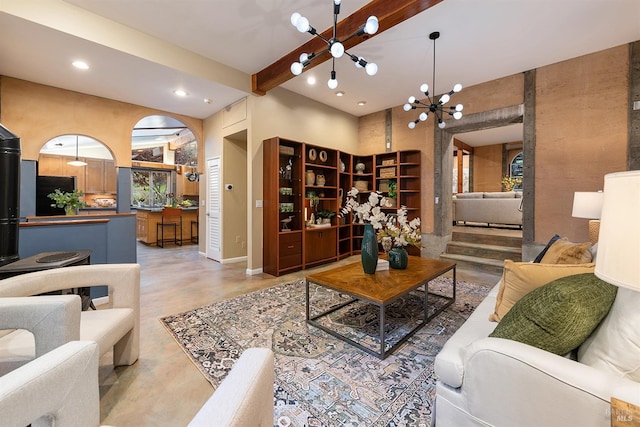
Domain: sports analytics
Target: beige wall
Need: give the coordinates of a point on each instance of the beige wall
(38, 113)
(279, 113)
(234, 205)
(581, 135)
(487, 168)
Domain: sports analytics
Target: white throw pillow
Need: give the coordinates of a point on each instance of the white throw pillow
(615, 345)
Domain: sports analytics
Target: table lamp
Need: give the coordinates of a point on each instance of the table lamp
(617, 260)
(588, 204)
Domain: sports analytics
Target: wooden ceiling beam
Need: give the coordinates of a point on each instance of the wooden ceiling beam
(389, 13)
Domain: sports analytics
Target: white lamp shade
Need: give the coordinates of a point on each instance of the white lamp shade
(587, 204)
(618, 256)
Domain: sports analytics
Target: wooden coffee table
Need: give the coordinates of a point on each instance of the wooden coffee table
(380, 289)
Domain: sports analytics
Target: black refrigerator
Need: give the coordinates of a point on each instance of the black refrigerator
(46, 185)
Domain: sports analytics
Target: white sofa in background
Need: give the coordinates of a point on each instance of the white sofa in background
(245, 397)
(115, 326)
(488, 207)
(484, 381)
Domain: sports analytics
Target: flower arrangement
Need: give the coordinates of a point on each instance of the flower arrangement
(369, 211)
(400, 231)
(508, 183)
(69, 201)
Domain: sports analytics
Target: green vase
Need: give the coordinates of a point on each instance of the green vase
(398, 258)
(369, 250)
(70, 210)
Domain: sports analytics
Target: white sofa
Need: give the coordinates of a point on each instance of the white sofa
(488, 207)
(484, 381)
(245, 396)
(115, 326)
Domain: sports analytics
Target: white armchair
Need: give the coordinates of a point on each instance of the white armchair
(245, 396)
(57, 389)
(116, 327)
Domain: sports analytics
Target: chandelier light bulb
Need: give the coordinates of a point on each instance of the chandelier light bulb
(412, 125)
(423, 116)
(457, 87)
(371, 27)
(294, 18)
(442, 125)
(371, 69)
(332, 83)
(457, 115)
(424, 88)
(296, 68)
(337, 2)
(358, 62)
(459, 107)
(412, 99)
(407, 107)
(444, 99)
(302, 24)
(304, 57)
(337, 49)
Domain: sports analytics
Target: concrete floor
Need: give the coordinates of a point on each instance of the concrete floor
(163, 388)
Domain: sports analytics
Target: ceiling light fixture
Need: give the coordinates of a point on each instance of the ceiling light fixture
(362, 103)
(180, 92)
(435, 107)
(76, 162)
(340, 93)
(81, 65)
(335, 46)
(207, 101)
(311, 80)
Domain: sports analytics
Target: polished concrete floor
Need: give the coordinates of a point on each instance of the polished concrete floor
(163, 388)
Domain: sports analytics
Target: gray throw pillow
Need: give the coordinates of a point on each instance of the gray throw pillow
(560, 315)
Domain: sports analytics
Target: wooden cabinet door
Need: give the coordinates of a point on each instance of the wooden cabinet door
(50, 165)
(110, 177)
(320, 244)
(95, 176)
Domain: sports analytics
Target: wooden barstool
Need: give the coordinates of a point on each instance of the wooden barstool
(171, 217)
(196, 223)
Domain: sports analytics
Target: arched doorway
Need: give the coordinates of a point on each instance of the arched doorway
(78, 162)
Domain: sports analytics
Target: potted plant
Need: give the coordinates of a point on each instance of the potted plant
(69, 201)
(392, 194)
(325, 216)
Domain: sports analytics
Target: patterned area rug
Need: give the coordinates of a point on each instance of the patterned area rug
(320, 380)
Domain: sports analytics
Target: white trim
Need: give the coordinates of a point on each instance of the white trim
(250, 272)
(233, 260)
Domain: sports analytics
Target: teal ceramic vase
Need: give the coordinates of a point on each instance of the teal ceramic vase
(398, 258)
(369, 250)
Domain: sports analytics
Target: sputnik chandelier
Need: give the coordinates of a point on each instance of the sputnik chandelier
(436, 108)
(335, 46)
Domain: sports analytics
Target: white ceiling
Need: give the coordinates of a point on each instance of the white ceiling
(145, 49)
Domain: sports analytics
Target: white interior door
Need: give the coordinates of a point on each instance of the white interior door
(214, 209)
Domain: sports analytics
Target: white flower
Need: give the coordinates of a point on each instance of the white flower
(369, 211)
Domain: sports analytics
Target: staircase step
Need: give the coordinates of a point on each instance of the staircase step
(487, 239)
(485, 251)
(470, 262)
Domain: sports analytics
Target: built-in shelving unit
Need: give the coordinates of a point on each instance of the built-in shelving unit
(304, 182)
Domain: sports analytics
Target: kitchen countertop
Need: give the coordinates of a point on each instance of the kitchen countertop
(159, 209)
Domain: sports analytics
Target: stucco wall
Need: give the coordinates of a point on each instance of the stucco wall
(38, 113)
(581, 135)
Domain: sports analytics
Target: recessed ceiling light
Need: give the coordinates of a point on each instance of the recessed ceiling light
(180, 92)
(311, 80)
(207, 101)
(81, 65)
(339, 93)
(361, 103)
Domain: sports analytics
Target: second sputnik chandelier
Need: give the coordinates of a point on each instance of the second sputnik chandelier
(437, 108)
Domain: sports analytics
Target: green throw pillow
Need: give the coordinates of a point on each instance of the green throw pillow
(560, 315)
